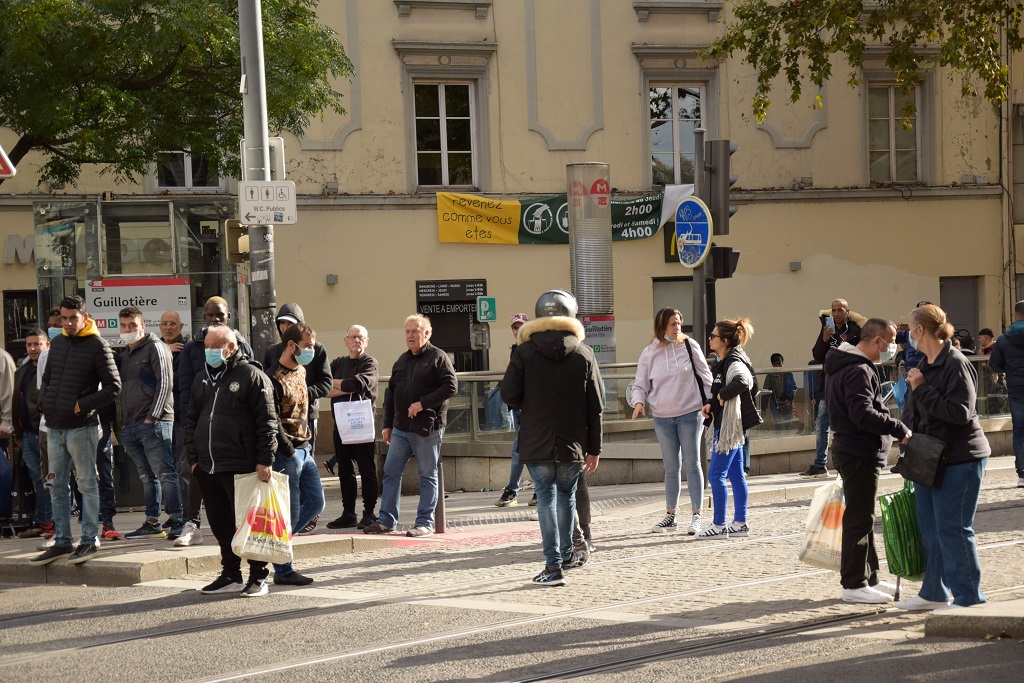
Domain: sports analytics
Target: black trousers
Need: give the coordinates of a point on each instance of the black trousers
(582, 530)
(349, 457)
(219, 496)
(859, 564)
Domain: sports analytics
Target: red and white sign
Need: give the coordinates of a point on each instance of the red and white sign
(7, 169)
(601, 193)
(106, 298)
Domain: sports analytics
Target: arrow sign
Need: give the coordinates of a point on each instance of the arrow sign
(7, 169)
(693, 232)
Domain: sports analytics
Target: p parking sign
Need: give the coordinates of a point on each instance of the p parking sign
(486, 309)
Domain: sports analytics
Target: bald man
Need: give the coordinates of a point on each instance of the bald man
(231, 428)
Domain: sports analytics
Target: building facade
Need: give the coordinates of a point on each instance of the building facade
(494, 98)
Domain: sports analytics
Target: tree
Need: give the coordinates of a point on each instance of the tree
(799, 38)
(115, 82)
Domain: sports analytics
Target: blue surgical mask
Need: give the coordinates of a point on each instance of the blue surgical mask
(305, 357)
(888, 353)
(214, 358)
(913, 342)
(669, 338)
(54, 332)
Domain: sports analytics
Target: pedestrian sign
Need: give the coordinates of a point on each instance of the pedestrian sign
(693, 232)
(266, 202)
(486, 309)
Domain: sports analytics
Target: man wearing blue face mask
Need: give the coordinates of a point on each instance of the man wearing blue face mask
(863, 438)
(295, 449)
(319, 380)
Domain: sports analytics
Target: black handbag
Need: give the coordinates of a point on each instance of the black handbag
(925, 460)
(700, 385)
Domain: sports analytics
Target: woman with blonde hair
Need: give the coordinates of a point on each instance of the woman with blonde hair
(732, 407)
(942, 405)
(673, 378)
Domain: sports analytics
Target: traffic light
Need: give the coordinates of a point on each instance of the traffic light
(237, 241)
(723, 262)
(717, 153)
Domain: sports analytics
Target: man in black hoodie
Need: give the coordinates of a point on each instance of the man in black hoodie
(864, 430)
(553, 379)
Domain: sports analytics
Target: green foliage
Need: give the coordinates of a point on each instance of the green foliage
(117, 81)
(799, 37)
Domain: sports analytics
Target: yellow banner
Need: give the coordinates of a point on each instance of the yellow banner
(470, 219)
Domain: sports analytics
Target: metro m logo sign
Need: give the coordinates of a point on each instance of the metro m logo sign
(23, 248)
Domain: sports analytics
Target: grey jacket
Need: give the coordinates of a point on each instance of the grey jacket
(147, 381)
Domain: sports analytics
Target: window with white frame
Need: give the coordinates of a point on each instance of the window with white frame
(893, 145)
(181, 170)
(444, 114)
(676, 111)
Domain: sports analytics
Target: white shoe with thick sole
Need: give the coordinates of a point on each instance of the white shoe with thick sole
(919, 604)
(866, 595)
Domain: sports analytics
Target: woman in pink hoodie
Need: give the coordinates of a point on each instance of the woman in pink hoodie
(673, 378)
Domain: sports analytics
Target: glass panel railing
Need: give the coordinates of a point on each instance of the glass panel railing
(787, 398)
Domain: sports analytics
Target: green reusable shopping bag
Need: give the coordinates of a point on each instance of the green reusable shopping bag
(901, 532)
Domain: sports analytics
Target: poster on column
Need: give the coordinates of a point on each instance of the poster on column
(105, 299)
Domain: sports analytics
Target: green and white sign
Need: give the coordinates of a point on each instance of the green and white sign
(486, 309)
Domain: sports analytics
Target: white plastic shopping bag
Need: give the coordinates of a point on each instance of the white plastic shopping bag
(354, 420)
(823, 538)
(262, 518)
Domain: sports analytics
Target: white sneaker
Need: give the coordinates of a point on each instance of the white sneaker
(917, 604)
(48, 543)
(866, 595)
(948, 608)
(190, 535)
(715, 531)
(738, 530)
(419, 532)
(534, 515)
(885, 587)
(695, 524)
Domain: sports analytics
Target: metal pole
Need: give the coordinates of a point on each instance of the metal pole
(440, 521)
(700, 190)
(256, 166)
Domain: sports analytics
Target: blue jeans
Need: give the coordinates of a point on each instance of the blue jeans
(67, 447)
(821, 431)
(946, 516)
(150, 446)
(516, 472)
(728, 465)
(1017, 416)
(30, 454)
(305, 492)
(555, 484)
(427, 450)
(679, 438)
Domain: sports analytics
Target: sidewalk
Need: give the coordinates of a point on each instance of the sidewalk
(471, 518)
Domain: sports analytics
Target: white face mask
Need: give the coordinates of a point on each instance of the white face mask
(131, 337)
(889, 352)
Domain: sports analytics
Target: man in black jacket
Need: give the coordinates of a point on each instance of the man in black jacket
(553, 380)
(26, 430)
(231, 428)
(864, 430)
(355, 378)
(415, 415)
(837, 326)
(79, 380)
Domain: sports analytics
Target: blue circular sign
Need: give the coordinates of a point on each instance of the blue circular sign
(693, 232)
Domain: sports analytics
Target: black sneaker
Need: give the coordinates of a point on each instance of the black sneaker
(347, 519)
(148, 530)
(580, 556)
(309, 528)
(550, 577)
(83, 553)
(173, 527)
(897, 466)
(533, 501)
(51, 554)
(815, 472)
(329, 466)
(293, 579)
(255, 588)
(508, 499)
(368, 519)
(377, 528)
(224, 584)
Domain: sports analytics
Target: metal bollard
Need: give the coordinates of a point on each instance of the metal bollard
(439, 520)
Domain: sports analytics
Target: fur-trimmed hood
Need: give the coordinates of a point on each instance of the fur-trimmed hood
(852, 315)
(555, 337)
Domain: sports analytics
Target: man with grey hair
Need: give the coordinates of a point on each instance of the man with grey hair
(355, 378)
(415, 415)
